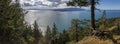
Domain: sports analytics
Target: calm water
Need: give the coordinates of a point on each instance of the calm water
(63, 19)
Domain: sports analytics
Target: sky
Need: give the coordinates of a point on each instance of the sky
(104, 4)
(109, 4)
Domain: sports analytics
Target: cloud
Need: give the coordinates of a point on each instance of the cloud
(44, 3)
(63, 5)
(54, 0)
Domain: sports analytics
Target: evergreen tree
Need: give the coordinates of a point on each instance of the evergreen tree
(93, 14)
(54, 34)
(65, 37)
(54, 30)
(28, 35)
(102, 23)
(74, 30)
(37, 33)
(11, 23)
(86, 3)
(103, 17)
(48, 35)
(78, 29)
(79, 3)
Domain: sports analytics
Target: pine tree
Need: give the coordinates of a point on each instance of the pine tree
(48, 35)
(28, 35)
(54, 30)
(85, 3)
(74, 30)
(37, 33)
(65, 37)
(11, 20)
(79, 3)
(54, 34)
(103, 17)
(102, 23)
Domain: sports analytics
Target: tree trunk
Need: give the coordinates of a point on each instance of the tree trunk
(93, 14)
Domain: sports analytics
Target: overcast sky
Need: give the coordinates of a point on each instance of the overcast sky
(104, 4)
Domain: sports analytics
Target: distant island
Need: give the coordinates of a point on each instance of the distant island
(69, 9)
(57, 9)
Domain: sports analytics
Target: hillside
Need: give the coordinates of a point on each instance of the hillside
(94, 40)
(112, 39)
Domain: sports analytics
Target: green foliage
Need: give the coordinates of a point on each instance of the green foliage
(54, 34)
(78, 29)
(102, 21)
(48, 36)
(54, 30)
(13, 29)
(28, 35)
(63, 37)
(78, 3)
(11, 20)
(81, 3)
(36, 30)
(37, 33)
(116, 23)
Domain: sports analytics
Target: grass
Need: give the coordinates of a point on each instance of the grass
(94, 40)
(113, 39)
